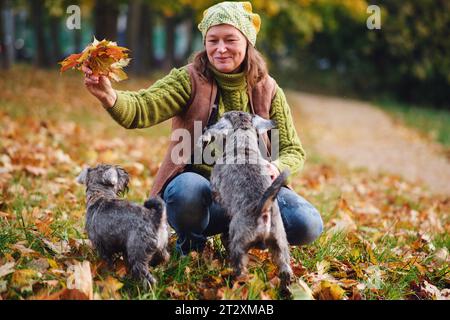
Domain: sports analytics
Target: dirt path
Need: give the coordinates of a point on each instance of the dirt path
(363, 136)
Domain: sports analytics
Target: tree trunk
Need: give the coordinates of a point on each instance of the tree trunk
(77, 38)
(133, 37)
(191, 31)
(106, 13)
(169, 59)
(41, 58)
(190, 40)
(146, 30)
(56, 43)
(6, 53)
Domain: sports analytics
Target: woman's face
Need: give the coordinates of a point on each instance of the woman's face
(226, 47)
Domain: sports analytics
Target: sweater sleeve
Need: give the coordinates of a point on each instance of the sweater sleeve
(291, 153)
(147, 107)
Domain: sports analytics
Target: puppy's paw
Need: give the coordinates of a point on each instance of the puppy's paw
(149, 281)
(165, 257)
(285, 292)
(286, 279)
(240, 274)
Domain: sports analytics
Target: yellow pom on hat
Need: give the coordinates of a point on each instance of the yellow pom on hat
(247, 6)
(256, 22)
(238, 14)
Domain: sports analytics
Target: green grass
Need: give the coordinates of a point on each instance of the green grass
(434, 123)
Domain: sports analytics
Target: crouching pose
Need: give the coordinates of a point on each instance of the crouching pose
(229, 74)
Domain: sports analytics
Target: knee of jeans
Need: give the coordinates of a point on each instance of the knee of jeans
(187, 199)
(302, 221)
(305, 227)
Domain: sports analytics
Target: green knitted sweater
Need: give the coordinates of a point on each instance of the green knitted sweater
(168, 96)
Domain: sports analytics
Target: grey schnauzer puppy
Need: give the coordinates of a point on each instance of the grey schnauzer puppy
(116, 226)
(241, 183)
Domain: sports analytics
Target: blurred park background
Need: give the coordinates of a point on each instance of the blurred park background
(320, 46)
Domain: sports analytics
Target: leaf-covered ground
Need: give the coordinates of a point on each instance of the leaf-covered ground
(384, 238)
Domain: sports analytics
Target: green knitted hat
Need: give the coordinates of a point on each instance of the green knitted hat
(237, 14)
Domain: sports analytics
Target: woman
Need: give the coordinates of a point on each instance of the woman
(230, 74)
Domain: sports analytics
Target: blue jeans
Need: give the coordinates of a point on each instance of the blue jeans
(194, 215)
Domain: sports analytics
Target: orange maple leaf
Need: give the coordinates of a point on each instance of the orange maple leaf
(102, 57)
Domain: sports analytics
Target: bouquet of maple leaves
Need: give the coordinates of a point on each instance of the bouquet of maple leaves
(104, 58)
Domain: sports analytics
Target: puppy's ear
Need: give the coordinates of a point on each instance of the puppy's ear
(123, 179)
(221, 128)
(110, 176)
(81, 179)
(262, 125)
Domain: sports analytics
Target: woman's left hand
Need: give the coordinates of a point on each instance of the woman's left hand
(273, 171)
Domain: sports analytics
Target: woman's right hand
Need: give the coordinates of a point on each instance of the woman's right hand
(100, 87)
